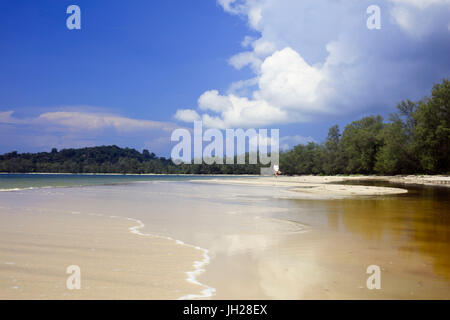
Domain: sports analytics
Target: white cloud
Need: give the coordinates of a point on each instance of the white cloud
(247, 41)
(422, 4)
(403, 17)
(260, 50)
(243, 87)
(420, 18)
(244, 112)
(213, 101)
(6, 117)
(255, 16)
(263, 48)
(87, 121)
(317, 59)
(243, 59)
(94, 121)
(287, 81)
(187, 115)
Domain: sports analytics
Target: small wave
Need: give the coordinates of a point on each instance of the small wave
(29, 188)
(16, 189)
(199, 266)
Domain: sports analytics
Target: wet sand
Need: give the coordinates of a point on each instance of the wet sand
(37, 246)
(313, 187)
(264, 241)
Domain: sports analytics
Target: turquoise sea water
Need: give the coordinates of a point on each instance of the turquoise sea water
(28, 181)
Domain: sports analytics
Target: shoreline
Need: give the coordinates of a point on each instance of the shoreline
(309, 186)
(128, 174)
(426, 180)
(431, 180)
(313, 187)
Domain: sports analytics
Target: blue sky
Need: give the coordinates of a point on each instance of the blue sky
(138, 69)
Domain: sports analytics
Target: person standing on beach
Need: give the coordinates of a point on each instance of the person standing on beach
(276, 170)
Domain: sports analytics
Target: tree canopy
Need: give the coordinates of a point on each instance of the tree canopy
(416, 139)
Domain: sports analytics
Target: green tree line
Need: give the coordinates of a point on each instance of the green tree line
(109, 159)
(415, 139)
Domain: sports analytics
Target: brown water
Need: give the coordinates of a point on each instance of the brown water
(407, 236)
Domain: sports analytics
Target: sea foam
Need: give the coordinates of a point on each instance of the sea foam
(199, 266)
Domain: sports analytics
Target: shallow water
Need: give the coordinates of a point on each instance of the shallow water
(265, 246)
(28, 181)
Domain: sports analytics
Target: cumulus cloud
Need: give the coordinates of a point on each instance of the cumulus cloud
(187, 115)
(316, 59)
(244, 112)
(286, 79)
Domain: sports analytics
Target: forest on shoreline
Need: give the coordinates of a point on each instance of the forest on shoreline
(414, 140)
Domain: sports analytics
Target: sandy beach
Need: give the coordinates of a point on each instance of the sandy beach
(313, 187)
(436, 180)
(37, 247)
(233, 238)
